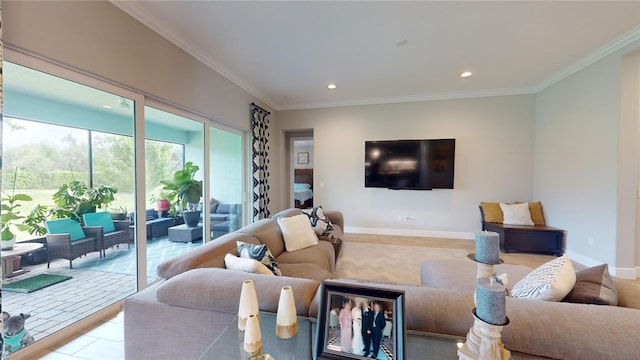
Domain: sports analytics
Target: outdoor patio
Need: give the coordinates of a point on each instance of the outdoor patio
(95, 283)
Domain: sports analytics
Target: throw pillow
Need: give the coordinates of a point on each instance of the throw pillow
(297, 232)
(259, 253)
(551, 281)
(492, 212)
(319, 221)
(535, 208)
(594, 286)
(233, 262)
(516, 214)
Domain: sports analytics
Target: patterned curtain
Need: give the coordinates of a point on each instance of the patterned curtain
(260, 153)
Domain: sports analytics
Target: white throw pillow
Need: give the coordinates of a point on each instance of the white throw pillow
(551, 281)
(297, 232)
(516, 214)
(233, 262)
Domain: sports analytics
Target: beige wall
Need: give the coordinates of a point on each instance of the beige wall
(494, 158)
(97, 37)
(586, 163)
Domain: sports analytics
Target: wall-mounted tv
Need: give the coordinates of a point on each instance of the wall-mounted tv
(409, 164)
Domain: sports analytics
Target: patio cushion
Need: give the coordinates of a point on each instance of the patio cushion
(102, 218)
(151, 214)
(65, 226)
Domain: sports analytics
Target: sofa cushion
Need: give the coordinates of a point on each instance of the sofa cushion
(237, 263)
(213, 208)
(322, 255)
(551, 281)
(305, 271)
(218, 289)
(151, 214)
(65, 226)
(268, 232)
(594, 286)
(297, 232)
(516, 214)
(208, 255)
(102, 218)
(259, 253)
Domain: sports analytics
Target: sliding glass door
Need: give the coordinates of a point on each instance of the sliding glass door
(174, 161)
(68, 177)
(227, 186)
(94, 198)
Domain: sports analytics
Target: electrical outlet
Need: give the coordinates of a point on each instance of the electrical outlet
(590, 241)
(399, 218)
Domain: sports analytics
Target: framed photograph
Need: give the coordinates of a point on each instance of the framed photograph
(359, 322)
(303, 158)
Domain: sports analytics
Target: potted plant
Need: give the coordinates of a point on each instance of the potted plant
(163, 205)
(187, 191)
(11, 215)
(75, 199)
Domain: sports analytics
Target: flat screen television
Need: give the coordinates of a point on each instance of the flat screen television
(410, 164)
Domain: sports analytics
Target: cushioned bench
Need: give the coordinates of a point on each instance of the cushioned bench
(527, 238)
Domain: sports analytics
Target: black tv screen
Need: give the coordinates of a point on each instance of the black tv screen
(410, 164)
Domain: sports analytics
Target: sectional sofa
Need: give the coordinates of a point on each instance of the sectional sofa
(181, 315)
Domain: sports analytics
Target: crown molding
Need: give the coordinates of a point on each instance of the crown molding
(413, 98)
(136, 11)
(605, 50)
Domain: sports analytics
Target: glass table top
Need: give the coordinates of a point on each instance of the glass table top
(229, 345)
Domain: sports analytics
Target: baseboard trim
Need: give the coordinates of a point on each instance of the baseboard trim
(625, 273)
(410, 232)
(622, 273)
(582, 260)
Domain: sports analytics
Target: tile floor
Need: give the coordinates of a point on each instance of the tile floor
(95, 284)
(104, 342)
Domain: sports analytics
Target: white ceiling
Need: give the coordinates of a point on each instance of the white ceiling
(286, 53)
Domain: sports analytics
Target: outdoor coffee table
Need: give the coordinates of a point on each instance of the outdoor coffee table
(229, 344)
(183, 233)
(8, 255)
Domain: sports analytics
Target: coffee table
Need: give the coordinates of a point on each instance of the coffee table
(18, 249)
(229, 344)
(184, 233)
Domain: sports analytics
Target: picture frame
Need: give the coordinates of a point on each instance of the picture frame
(390, 337)
(303, 158)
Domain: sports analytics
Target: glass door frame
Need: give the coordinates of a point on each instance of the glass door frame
(140, 100)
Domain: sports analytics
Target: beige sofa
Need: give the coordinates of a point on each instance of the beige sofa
(180, 316)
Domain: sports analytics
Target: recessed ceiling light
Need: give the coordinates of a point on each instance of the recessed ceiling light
(466, 74)
(106, 106)
(331, 86)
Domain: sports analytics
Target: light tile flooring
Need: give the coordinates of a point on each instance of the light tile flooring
(104, 342)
